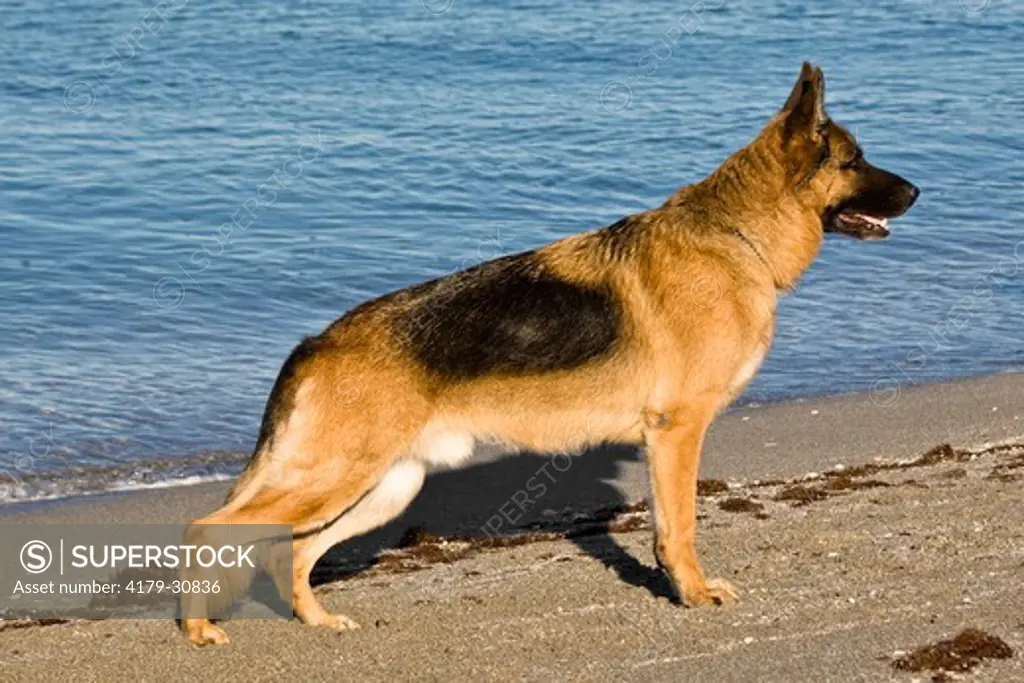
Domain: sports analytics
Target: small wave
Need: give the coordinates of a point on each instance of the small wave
(89, 481)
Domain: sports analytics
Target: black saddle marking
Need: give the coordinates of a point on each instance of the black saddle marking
(510, 316)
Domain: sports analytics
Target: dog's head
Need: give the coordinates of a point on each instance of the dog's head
(828, 168)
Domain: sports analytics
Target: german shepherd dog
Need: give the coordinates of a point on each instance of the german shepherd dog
(640, 332)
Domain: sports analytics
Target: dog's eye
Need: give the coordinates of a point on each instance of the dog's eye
(853, 161)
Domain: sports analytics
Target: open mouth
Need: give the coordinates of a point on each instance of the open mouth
(860, 225)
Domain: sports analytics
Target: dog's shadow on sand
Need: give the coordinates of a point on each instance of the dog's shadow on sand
(501, 495)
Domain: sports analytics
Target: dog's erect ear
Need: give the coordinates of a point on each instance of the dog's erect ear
(805, 108)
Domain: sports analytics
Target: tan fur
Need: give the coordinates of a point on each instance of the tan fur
(699, 303)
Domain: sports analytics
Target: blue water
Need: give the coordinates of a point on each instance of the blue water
(387, 143)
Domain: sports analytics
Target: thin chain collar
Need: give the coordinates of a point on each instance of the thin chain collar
(757, 252)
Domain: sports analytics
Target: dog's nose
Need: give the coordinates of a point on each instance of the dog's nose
(912, 193)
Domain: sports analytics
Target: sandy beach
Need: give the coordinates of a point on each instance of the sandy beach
(856, 533)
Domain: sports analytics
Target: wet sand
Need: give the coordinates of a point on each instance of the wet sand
(839, 574)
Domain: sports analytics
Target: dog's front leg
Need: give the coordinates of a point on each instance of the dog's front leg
(674, 439)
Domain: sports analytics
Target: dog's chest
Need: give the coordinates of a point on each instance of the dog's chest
(752, 364)
(748, 369)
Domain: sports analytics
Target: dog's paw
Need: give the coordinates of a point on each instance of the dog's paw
(206, 634)
(711, 592)
(338, 622)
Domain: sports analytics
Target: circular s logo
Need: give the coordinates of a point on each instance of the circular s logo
(616, 97)
(438, 7)
(36, 557)
(974, 6)
(168, 292)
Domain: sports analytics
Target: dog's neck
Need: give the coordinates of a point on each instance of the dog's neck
(753, 194)
(756, 251)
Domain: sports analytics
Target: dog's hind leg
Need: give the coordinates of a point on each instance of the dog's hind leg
(328, 473)
(320, 518)
(303, 505)
(388, 498)
(384, 502)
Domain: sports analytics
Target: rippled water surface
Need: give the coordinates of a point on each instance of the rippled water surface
(392, 142)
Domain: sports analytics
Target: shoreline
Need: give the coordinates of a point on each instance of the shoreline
(760, 406)
(759, 440)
